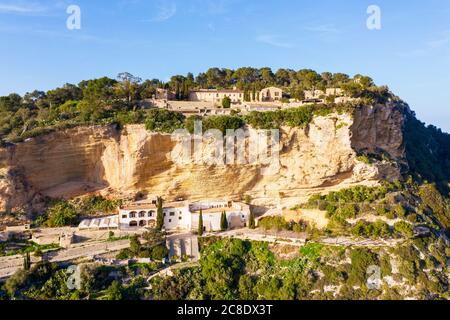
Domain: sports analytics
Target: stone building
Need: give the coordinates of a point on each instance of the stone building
(271, 94)
(217, 96)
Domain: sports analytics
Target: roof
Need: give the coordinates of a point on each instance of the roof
(148, 204)
(272, 88)
(218, 91)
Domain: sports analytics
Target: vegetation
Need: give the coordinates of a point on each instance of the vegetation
(223, 221)
(60, 213)
(226, 102)
(119, 101)
(236, 269)
(251, 220)
(15, 247)
(278, 223)
(159, 214)
(200, 224)
(428, 152)
(152, 244)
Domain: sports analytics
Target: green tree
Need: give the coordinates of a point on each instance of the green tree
(223, 221)
(61, 214)
(251, 220)
(200, 224)
(26, 262)
(135, 245)
(159, 214)
(226, 102)
(114, 291)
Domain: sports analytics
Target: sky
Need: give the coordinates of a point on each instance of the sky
(161, 38)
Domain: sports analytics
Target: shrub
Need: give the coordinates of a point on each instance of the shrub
(161, 120)
(361, 259)
(61, 214)
(404, 228)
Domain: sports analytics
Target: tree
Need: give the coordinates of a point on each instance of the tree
(128, 86)
(223, 221)
(200, 224)
(251, 220)
(226, 102)
(114, 292)
(26, 262)
(61, 214)
(159, 214)
(154, 237)
(135, 245)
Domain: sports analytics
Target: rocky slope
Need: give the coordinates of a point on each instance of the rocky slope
(319, 158)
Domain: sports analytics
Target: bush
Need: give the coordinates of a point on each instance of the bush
(361, 259)
(61, 214)
(161, 120)
(274, 223)
(404, 228)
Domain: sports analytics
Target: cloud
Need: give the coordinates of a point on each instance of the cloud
(274, 40)
(165, 11)
(324, 29)
(429, 47)
(443, 41)
(19, 8)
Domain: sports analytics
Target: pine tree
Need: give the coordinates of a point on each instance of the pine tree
(251, 220)
(223, 222)
(200, 224)
(159, 214)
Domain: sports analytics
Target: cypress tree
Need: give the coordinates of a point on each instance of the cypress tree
(159, 214)
(251, 220)
(26, 262)
(223, 221)
(200, 224)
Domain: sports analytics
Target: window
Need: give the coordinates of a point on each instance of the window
(170, 220)
(172, 214)
(180, 218)
(150, 213)
(124, 216)
(133, 215)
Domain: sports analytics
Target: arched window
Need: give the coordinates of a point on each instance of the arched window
(133, 223)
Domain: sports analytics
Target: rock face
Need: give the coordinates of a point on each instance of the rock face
(319, 158)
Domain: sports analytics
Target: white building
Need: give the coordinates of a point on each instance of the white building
(184, 215)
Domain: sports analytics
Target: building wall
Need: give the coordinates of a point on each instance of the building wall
(271, 94)
(186, 218)
(214, 96)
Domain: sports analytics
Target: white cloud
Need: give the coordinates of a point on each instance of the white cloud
(324, 29)
(165, 11)
(429, 47)
(20, 8)
(274, 40)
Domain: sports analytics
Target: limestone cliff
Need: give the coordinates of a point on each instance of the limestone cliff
(117, 162)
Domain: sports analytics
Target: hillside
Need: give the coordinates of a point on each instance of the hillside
(322, 156)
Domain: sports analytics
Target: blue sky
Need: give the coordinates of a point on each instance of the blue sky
(159, 38)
